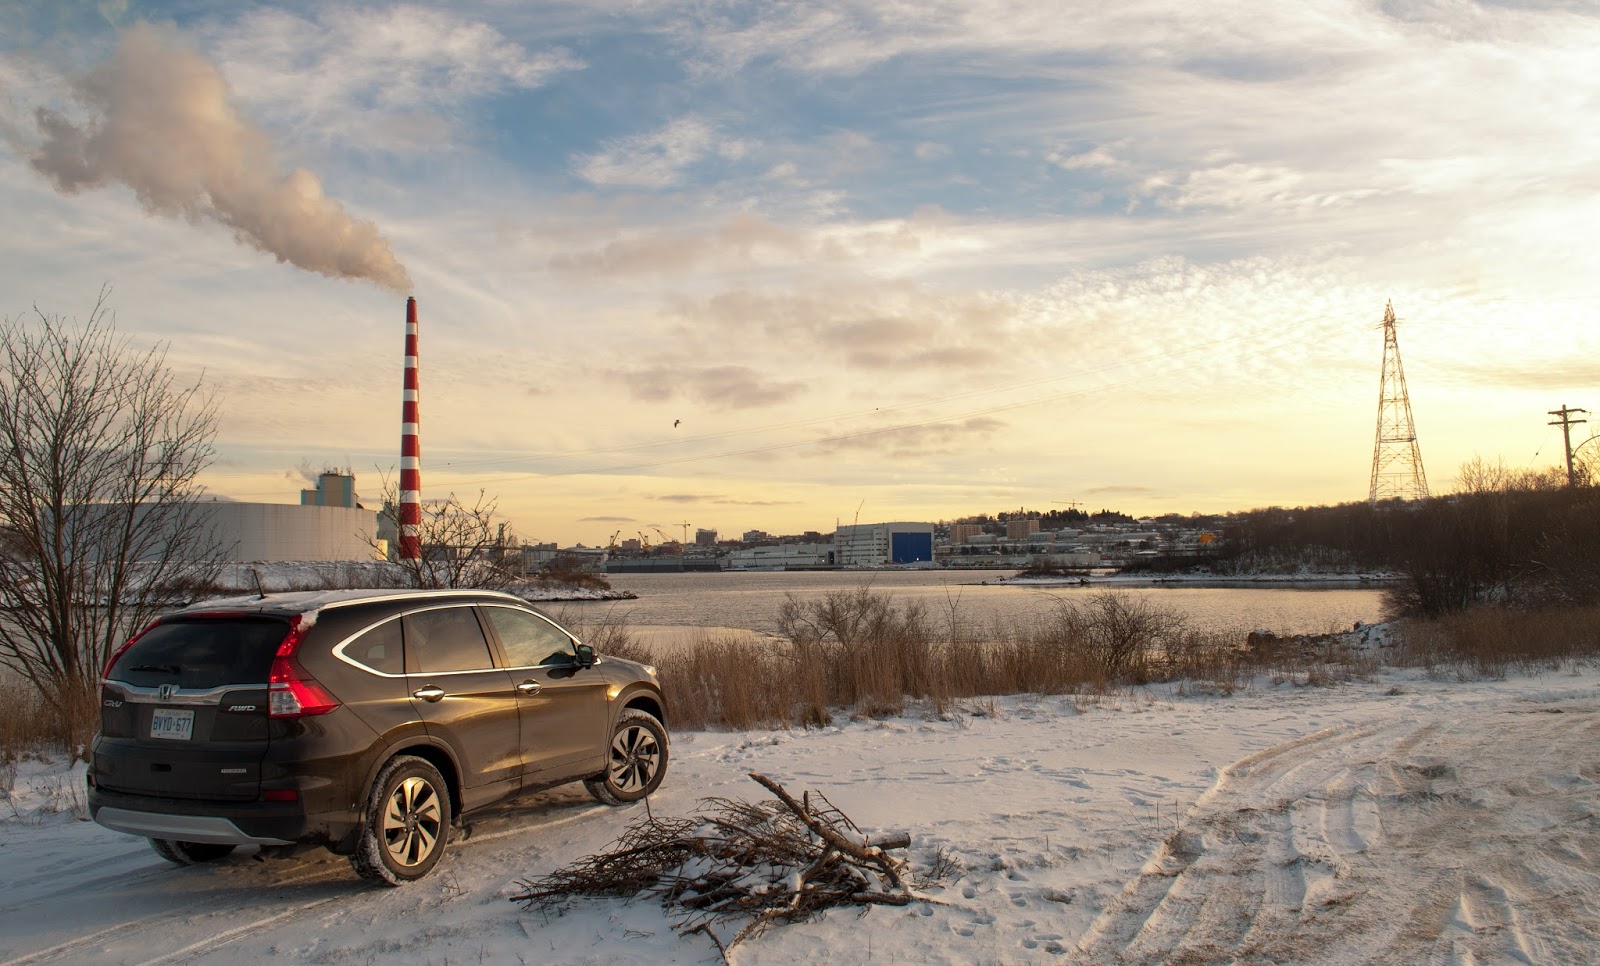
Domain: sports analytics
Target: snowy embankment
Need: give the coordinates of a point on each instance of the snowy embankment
(1400, 819)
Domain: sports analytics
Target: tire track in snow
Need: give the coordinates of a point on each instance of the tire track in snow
(245, 903)
(1396, 841)
(191, 906)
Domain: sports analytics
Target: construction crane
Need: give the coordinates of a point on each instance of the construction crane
(685, 527)
(644, 543)
(612, 546)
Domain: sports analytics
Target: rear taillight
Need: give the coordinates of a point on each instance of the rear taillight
(105, 672)
(280, 795)
(295, 694)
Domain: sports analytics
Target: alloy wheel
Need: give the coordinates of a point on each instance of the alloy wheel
(635, 756)
(412, 822)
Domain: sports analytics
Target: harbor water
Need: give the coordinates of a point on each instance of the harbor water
(685, 606)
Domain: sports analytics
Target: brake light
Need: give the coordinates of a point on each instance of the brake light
(280, 795)
(295, 694)
(105, 672)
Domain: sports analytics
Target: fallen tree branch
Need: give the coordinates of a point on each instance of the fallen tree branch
(755, 864)
(829, 832)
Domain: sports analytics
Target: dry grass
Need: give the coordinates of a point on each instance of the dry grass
(860, 654)
(29, 726)
(863, 655)
(1490, 642)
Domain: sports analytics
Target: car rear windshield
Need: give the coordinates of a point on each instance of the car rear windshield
(207, 653)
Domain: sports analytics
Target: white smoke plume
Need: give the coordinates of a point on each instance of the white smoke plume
(162, 122)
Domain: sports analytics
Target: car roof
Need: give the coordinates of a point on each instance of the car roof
(309, 603)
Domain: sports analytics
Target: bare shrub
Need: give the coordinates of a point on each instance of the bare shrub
(26, 726)
(607, 631)
(858, 653)
(1492, 641)
(462, 545)
(853, 648)
(565, 572)
(100, 505)
(728, 683)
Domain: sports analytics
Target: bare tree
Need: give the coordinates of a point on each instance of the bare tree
(100, 448)
(462, 546)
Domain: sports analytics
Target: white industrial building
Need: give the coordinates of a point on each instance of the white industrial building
(882, 544)
(785, 556)
(250, 532)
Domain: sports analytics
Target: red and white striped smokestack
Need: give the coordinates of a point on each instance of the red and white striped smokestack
(410, 447)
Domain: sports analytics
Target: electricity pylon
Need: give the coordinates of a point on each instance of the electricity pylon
(1396, 460)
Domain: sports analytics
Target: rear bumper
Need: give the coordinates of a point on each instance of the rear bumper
(222, 823)
(182, 828)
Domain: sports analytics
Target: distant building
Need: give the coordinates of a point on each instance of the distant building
(1021, 529)
(327, 525)
(755, 536)
(332, 489)
(964, 532)
(881, 544)
(705, 538)
(783, 556)
(249, 532)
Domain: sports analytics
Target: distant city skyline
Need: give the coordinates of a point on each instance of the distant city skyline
(782, 266)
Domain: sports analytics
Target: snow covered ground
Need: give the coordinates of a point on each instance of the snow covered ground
(1400, 819)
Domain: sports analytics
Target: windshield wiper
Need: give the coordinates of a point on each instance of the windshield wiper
(162, 668)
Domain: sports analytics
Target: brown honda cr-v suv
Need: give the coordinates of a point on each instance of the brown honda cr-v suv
(367, 722)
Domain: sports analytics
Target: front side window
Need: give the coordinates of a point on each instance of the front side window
(530, 640)
(447, 639)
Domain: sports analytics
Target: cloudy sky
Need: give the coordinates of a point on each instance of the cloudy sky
(755, 265)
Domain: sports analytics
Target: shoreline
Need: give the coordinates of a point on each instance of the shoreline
(1298, 581)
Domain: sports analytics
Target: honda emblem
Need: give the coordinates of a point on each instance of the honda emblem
(166, 691)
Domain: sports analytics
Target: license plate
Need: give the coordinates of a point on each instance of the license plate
(171, 723)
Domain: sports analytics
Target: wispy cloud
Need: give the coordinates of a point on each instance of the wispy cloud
(1152, 238)
(720, 387)
(931, 439)
(384, 77)
(744, 240)
(657, 159)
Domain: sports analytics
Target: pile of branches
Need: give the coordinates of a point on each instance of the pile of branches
(749, 863)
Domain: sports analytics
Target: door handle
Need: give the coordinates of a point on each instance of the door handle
(529, 688)
(429, 693)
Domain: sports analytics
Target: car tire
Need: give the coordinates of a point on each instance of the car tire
(406, 825)
(636, 760)
(190, 853)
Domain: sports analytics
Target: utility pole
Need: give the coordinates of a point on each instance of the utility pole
(1566, 422)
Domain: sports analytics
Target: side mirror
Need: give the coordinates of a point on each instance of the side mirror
(586, 656)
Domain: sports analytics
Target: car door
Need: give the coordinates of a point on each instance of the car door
(461, 697)
(564, 705)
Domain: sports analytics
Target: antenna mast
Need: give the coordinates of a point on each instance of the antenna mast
(1396, 460)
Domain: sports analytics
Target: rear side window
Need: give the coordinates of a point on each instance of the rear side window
(448, 639)
(379, 649)
(203, 653)
(530, 640)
